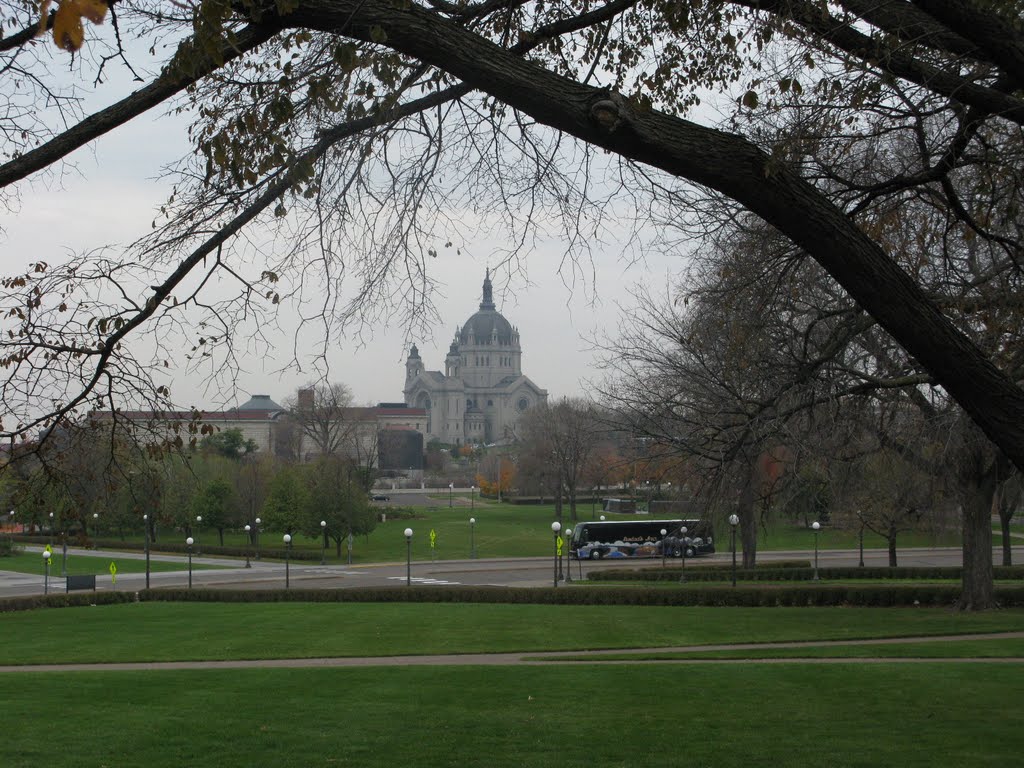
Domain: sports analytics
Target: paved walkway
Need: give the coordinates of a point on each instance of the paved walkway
(540, 658)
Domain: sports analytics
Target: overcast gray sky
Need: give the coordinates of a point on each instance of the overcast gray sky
(113, 198)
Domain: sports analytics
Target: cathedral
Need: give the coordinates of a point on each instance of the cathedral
(482, 393)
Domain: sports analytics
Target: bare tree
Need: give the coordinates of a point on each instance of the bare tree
(562, 436)
(890, 495)
(323, 412)
(933, 70)
(1007, 500)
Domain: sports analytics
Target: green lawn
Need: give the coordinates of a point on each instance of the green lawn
(84, 565)
(618, 716)
(615, 715)
(196, 631)
(501, 530)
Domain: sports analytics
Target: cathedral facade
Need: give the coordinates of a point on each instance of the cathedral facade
(482, 393)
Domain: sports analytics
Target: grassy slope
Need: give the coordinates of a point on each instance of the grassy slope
(789, 716)
(169, 631)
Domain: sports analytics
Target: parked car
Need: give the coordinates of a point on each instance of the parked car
(380, 497)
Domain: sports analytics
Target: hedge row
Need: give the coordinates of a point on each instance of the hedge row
(699, 566)
(952, 573)
(65, 600)
(748, 595)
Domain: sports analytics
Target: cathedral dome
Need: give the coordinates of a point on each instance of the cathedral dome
(259, 403)
(482, 326)
(487, 323)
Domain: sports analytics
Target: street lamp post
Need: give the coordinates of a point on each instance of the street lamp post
(683, 544)
(567, 536)
(199, 523)
(51, 530)
(555, 528)
(95, 523)
(46, 572)
(189, 542)
(861, 541)
(472, 538)
(408, 557)
(451, 492)
(734, 520)
(816, 526)
(287, 559)
(258, 521)
(323, 541)
(248, 547)
(664, 533)
(145, 523)
(472, 499)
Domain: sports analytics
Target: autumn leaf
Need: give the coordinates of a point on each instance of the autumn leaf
(68, 32)
(44, 11)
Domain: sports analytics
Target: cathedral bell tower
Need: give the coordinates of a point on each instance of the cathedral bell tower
(451, 362)
(413, 365)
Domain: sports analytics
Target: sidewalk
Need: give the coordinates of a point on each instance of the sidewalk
(540, 658)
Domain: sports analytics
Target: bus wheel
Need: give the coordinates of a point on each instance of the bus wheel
(595, 554)
(690, 553)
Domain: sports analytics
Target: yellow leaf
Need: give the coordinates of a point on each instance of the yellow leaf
(67, 27)
(44, 12)
(94, 10)
(67, 22)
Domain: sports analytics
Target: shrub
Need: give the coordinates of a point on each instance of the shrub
(65, 600)
(815, 594)
(769, 572)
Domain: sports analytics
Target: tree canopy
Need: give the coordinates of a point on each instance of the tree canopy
(366, 129)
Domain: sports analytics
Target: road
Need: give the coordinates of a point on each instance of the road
(521, 572)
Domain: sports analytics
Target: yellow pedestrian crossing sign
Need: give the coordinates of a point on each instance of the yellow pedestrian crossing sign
(559, 545)
(433, 537)
(113, 572)
(48, 550)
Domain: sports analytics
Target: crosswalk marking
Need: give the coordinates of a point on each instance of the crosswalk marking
(421, 580)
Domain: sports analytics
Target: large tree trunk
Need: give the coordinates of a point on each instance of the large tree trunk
(891, 538)
(978, 592)
(978, 470)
